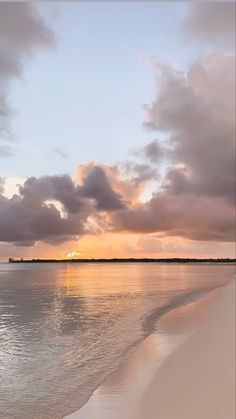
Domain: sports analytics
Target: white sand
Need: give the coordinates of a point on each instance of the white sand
(197, 381)
(177, 374)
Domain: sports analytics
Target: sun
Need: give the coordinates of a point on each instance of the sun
(71, 255)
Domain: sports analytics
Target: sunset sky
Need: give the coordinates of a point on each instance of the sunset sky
(117, 129)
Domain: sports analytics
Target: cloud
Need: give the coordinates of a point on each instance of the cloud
(211, 22)
(2, 182)
(185, 216)
(61, 188)
(196, 110)
(32, 215)
(194, 196)
(22, 33)
(128, 179)
(139, 174)
(153, 151)
(97, 186)
(193, 199)
(26, 225)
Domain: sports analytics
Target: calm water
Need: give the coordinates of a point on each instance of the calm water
(64, 328)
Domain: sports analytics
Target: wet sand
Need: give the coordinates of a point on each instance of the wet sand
(183, 371)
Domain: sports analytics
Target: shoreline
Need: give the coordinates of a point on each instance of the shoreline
(141, 384)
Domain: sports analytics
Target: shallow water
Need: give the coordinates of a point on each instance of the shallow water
(65, 327)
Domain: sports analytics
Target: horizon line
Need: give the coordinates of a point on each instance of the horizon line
(119, 260)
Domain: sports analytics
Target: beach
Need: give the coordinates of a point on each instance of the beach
(185, 370)
(117, 209)
(112, 341)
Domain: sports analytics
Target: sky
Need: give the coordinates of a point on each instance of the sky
(117, 129)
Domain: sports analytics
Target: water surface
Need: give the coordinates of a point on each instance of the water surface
(65, 327)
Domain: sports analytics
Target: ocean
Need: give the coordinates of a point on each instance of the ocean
(65, 327)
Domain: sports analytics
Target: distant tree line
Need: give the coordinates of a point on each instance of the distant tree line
(125, 260)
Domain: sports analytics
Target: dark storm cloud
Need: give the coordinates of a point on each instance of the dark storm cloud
(22, 33)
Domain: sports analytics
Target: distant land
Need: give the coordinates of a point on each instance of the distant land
(125, 260)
